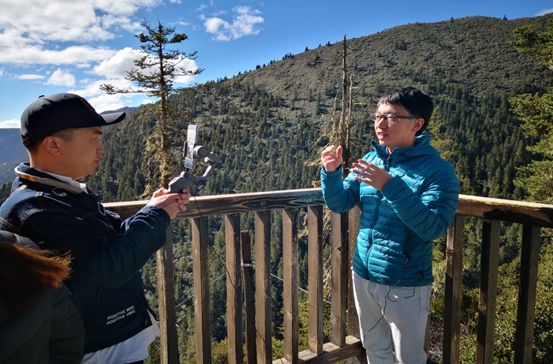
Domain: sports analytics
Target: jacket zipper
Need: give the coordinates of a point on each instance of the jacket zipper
(387, 163)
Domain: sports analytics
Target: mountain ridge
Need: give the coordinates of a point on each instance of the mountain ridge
(403, 38)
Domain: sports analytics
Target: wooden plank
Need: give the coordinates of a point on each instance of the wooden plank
(169, 351)
(524, 336)
(483, 207)
(234, 290)
(200, 241)
(331, 353)
(235, 203)
(249, 291)
(453, 294)
(353, 224)
(506, 210)
(263, 304)
(489, 262)
(315, 277)
(290, 276)
(339, 278)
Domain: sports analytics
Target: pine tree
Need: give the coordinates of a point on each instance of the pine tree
(536, 112)
(154, 73)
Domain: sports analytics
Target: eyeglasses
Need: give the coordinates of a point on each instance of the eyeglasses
(390, 119)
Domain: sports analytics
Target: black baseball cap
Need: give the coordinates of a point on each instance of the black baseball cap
(52, 113)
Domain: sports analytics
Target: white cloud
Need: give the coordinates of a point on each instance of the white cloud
(205, 6)
(544, 11)
(244, 22)
(68, 56)
(30, 76)
(56, 31)
(12, 123)
(102, 101)
(106, 102)
(189, 65)
(218, 27)
(61, 78)
(117, 66)
(61, 20)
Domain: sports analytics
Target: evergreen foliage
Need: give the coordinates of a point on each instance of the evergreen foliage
(535, 111)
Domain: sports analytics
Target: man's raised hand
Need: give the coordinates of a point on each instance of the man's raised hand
(331, 158)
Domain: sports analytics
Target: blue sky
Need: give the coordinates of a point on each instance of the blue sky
(49, 46)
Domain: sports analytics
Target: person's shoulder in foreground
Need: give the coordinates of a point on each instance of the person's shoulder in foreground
(38, 322)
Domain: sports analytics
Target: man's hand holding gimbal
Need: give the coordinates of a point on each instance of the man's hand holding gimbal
(172, 203)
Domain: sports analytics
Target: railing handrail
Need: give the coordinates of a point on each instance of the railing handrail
(538, 214)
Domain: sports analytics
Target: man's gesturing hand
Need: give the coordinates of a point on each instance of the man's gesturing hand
(331, 158)
(370, 174)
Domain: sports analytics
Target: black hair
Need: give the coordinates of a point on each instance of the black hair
(416, 102)
(65, 134)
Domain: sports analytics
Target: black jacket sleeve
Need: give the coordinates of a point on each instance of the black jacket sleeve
(101, 253)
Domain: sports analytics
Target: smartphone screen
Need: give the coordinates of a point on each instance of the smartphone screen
(190, 143)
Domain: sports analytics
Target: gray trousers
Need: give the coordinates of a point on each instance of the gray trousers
(392, 321)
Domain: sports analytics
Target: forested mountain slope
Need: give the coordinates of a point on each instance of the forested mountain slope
(266, 123)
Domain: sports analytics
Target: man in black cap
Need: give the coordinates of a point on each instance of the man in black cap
(51, 205)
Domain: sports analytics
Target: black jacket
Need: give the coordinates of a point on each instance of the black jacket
(107, 252)
(47, 329)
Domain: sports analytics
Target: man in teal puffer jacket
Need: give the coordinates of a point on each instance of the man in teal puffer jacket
(408, 196)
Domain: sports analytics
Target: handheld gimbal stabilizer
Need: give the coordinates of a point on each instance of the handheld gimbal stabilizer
(191, 150)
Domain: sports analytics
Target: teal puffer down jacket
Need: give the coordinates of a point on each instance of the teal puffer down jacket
(399, 223)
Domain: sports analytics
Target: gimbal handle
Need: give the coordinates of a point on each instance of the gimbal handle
(186, 179)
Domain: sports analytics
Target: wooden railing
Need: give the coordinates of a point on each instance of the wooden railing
(241, 277)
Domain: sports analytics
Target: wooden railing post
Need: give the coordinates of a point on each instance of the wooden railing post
(339, 278)
(200, 241)
(263, 298)
(354, 216)
(527, 294)
(315, 277)
(290, 276)
(234, 290)
(488, 292)
(453, 294)
(249, 291)
(168, 347)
